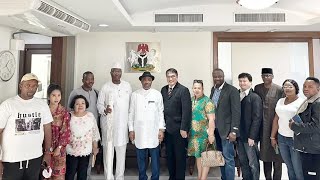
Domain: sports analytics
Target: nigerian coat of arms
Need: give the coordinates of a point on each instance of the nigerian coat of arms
(143, 56)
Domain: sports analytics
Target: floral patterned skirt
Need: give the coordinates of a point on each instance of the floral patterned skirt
(58, 165)
(198, 137)
(197, 144)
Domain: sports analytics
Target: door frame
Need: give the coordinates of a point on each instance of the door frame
(266, 37)
(25, 56)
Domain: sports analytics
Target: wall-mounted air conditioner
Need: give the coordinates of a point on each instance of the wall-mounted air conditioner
(41, 16)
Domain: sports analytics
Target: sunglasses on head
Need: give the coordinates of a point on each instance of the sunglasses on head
(197, 81)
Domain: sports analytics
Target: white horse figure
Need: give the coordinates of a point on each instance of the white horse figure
(133, 58)
(152, 58)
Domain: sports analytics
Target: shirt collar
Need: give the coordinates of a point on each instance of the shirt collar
(171, 86)
(246, 92)
(221, 86)
(85, 90)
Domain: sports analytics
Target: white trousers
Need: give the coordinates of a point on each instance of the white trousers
(108, 161)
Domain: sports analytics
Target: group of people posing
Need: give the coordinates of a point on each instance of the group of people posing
(262, 123)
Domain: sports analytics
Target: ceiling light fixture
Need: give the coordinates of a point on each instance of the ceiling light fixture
(103, 25)
(256, 4)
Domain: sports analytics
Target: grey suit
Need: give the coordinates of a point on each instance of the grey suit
(227, 120)
(228, 111)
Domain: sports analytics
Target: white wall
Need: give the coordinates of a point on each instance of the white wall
(288, 61)
(9, 88)
(189, 53)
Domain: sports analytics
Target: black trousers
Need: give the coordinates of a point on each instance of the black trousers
(26, 170)
(277, 170)
(99, 157)
(176, 149)
(77, 165)
(310, 166)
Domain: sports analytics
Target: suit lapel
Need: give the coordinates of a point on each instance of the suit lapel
(247, 96)
(172, 93)
(173, 90)
(223, 91)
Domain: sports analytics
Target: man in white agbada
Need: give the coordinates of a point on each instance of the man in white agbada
(147, 125)
(113, 105)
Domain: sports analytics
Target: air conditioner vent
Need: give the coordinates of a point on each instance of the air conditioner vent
(46, 8)
(260, 17)
(190, 17)
(166, 17)
(183, 18)
(61, 15)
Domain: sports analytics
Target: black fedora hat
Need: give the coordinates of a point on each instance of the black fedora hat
(146, 74)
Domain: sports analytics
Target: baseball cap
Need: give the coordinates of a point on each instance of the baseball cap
(29, 76)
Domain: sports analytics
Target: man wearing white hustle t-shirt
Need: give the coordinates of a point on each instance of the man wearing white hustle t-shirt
(24, 123)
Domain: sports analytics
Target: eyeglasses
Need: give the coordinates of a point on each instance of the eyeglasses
(171, 77)
(197, 81)
(287, 87)
(266, 75)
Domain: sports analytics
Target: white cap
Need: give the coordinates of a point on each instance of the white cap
(29, 76)
(116, 65)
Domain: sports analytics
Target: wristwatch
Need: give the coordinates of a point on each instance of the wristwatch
(49, 150)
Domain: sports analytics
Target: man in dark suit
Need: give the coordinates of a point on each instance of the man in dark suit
(177, 115)
(251, 118)
(227, 101)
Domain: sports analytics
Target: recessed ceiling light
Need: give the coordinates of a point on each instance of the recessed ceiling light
(103, 25)
(61, 26)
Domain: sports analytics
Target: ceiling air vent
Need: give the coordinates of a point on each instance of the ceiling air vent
(159, 18)
(260, 17)
(190, 17)
(166, 18)
(59, 14)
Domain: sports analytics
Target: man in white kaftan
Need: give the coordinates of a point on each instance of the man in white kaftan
(113, 105)
(147, 125)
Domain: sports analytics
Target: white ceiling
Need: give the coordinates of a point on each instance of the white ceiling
(126, 15)
(138, 15)
(153, 5)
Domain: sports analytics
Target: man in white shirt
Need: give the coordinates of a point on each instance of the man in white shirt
(146, 125)
(113, 105)
(21, 146)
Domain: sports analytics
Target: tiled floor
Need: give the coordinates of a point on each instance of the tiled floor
(132, 174)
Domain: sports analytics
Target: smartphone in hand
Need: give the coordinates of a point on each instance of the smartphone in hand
(297, 119)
